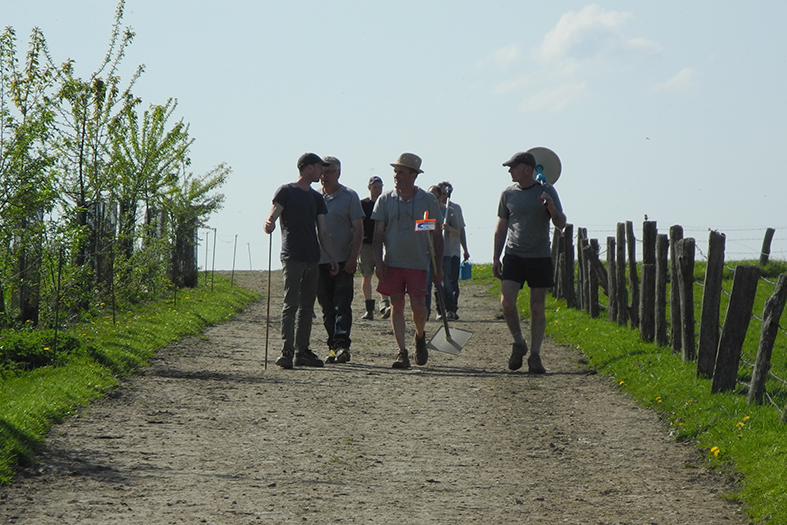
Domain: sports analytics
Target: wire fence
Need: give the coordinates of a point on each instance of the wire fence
(643, 303)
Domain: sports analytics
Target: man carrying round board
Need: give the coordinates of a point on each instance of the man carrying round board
(524, 214)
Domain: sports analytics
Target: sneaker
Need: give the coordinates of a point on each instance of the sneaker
(402, 361)
(331, 357)
(383, 306)
(307, 358)
(386, 312)
(517, 353)
(534, 364)
(284, 361)
(421, 353)
(369, 315)
(343, 355)
(452, 316)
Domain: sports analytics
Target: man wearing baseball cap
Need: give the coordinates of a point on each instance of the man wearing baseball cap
(302, 211)
(524, 214)
(402, 253)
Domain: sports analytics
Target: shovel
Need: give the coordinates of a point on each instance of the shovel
(444, 340)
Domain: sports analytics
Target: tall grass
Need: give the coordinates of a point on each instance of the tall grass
(746, 440)
(31, 401)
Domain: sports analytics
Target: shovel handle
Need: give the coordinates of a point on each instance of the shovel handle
(440, 298)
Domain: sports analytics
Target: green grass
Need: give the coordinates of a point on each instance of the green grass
(31, 401)
(746, 441)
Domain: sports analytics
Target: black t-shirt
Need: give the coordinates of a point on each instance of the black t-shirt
(299, 222)
(368, 224)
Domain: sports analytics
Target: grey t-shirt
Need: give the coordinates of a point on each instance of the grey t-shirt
(344, 207)
(453, 243)
(403, 246)
(528, 220)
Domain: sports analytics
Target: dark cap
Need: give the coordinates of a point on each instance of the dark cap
(446, 187)
(310, 158)
(374, 179)
(521, 158)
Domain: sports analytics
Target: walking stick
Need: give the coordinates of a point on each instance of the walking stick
(268, 307)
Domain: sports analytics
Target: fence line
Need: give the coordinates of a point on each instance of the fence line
(641, 303)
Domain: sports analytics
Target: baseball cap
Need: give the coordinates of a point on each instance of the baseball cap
(522, 157)
(310, 158)
(374, 179)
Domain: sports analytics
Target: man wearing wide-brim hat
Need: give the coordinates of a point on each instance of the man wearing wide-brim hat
(402, 253)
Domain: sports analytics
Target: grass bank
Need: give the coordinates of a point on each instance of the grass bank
(745, 440)
(32, 401)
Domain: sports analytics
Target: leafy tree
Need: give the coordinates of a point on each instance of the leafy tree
(26, 157)
(189, 206)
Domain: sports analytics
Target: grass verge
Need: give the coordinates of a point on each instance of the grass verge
(746, 441)
(30, 402)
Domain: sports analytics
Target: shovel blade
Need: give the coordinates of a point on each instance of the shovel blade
(454, 345)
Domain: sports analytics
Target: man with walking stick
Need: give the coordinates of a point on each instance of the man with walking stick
(302, 211)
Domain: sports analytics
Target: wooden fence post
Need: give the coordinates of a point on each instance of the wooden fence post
(582, 282)
(685, 253)
(662, 247)
(631, 241)
(647, 304)
(612, 284)
(623, 298)
(711, 303)
(675, 234)
(766, 246)
(592, 277)
(736, 322)
(568, 265)
(771, 314)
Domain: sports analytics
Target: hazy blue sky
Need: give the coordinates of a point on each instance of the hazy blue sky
(672, 109)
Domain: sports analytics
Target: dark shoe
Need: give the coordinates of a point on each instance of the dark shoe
(421, 353)
(386, 312)
(284, 361)
(452, 316)
(369, 315)
(343, 355)
(534, 364)
(307, 358)
(517, 353)
(331, 357)
(402, 361)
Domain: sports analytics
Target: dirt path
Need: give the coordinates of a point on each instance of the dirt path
(205, 435)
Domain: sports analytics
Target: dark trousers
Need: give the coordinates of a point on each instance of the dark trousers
(448, 291)
(335, 295)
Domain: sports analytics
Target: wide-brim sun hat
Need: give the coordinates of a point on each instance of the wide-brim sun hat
(409, 160)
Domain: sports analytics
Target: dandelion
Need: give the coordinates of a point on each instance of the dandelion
(746, 418)
(715, 451)
(740, 424)
(586, 329)
(46, 348)
(658, 399)
(622, 383)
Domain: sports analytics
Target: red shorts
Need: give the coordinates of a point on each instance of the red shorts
(403, 281)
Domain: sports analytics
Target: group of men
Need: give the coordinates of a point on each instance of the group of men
(325, 234)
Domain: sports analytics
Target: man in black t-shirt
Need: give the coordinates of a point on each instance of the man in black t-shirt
(302, 211)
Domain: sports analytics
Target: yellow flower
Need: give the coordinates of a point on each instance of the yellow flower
(746, 418)
(658, 399)
(739, 424)
(715, 451)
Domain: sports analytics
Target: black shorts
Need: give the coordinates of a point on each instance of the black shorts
(538, 272)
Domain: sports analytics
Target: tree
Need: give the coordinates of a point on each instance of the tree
(27, 192)
(189, 206)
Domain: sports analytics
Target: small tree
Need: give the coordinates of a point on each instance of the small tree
(189, 206)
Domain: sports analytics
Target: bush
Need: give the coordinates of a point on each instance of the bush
(26, 350)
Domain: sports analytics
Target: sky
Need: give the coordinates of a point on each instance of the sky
(672, 110)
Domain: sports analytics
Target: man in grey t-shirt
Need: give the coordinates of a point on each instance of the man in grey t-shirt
(344, 222)
(402, 253)
(524, 214)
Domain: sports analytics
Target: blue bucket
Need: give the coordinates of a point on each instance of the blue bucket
(465, 270)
